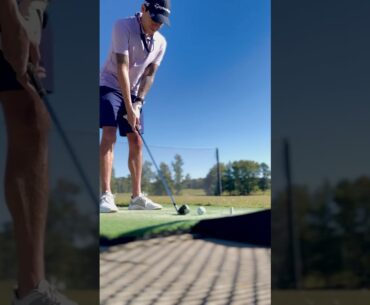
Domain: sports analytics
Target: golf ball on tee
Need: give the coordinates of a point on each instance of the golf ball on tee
(201, 210)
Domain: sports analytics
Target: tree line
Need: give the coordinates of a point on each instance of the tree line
(241, 177)
(71, 241)
(332, 229)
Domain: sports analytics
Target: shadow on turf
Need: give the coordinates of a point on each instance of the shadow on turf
(252, 229)
(203, 259)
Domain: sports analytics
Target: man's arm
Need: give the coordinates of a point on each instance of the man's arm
(8, 10)
(9, 15)
(124, 82)
(15, 42)
(21, 33)
(147, 80)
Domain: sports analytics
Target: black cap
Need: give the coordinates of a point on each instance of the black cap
(159, 10)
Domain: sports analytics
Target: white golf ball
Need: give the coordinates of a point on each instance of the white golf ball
(201, 210)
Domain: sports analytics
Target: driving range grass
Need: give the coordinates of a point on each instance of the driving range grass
(262, 201)
(139, 224)
(83, 297)
(321, 297)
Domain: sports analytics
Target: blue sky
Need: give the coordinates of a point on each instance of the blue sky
(213, 87)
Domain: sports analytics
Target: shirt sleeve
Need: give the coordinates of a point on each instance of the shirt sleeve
(157, 61)
(120, 38)
(38, 6)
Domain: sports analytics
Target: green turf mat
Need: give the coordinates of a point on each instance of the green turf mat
(138, 224)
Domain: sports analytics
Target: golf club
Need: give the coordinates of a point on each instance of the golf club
(35, 81)
(184, 209)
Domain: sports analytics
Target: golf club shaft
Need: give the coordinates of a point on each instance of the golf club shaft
(169, 193)
(42, 93)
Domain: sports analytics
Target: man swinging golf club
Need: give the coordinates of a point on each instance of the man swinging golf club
(136, 52)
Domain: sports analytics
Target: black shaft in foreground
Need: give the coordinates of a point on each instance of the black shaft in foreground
(43, 95)
(168, 191)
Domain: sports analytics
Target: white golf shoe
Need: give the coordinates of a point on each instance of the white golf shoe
(107, 204)
(142, 202)
(43, 294)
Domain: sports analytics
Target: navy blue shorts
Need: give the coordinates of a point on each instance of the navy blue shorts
(112, 110)
(8, 78)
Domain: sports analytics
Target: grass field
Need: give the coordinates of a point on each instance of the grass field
(83, 297)
(137, 224)
(321, 297)
(252, 201)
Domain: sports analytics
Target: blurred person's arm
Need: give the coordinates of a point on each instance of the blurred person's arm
(8, 11)
(14, 37)
(21, 32)
(21, 28)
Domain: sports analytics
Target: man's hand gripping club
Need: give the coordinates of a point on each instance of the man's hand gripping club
(133, 115)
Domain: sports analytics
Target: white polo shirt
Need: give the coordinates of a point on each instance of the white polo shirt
(126, 40)
(32, 10)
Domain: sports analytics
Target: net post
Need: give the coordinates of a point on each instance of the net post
(292, 224)
(219, 182)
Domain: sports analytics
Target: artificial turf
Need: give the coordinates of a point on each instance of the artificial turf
(138, 224)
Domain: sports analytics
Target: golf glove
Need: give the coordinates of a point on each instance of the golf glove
(137, 109)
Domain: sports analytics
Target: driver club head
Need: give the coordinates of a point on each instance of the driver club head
(183, 210)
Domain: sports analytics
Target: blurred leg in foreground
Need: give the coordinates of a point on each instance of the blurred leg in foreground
(27, 125)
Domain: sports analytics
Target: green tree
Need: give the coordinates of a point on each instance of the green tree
(189, 183)
(124, 184)
(246, 176)
(197, 183)
(71, 237)
(127, 184)
(178, 173)
(114, 182)
(147, 177)
(157, 186)
(210, 181)
(264, 182)
(282, 262)
(186, 183)
(352, 216)
(228, 179)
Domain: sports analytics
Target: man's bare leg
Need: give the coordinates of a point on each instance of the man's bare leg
(135, 161)
(106, 156)
(26, 182)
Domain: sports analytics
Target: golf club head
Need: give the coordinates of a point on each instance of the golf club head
(183, 210)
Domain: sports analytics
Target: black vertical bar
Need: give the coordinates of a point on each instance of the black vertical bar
(219, 182)
(293, 236)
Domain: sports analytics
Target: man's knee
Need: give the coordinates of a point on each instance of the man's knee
(26, 118)
(40, 123)
(109, 136)
(135, 142)
(31, 126)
